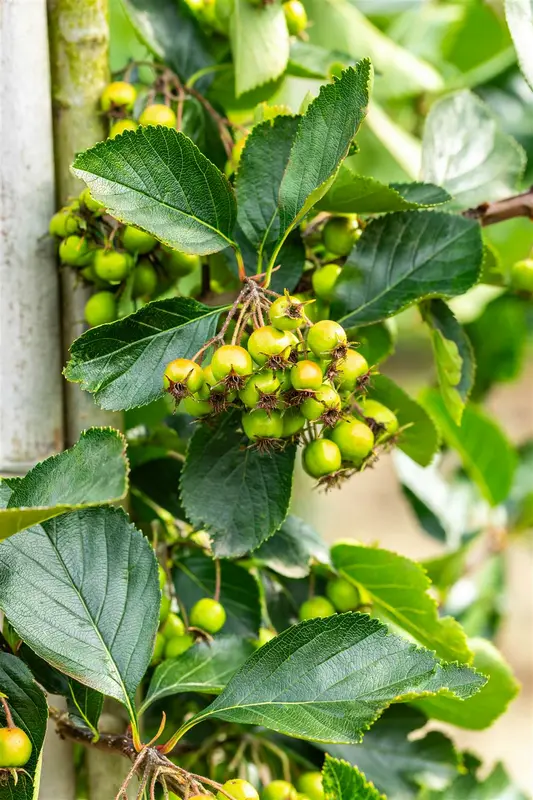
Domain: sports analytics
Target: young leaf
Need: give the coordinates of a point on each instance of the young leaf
(29, 709)
(157, 179)
(466, 151)
(479, 712)
(206, 668)
(89, 603)
(404, 257)
(454, 356)
(195, 577)
(260, 44)
(290, 551)
(352, 193)
(122, 363)
(419, 440)
(322, 142)
(328, 680)
(341, 781)
(486, 453)
(398, 763)
(399, 590)
(497, 786)
(170, 30)
(94, 471)
(519, 15)
(241, 496)
(85, 706)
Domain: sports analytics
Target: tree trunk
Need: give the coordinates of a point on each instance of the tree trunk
(79, 45)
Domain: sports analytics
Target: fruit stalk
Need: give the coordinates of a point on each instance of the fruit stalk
(7, 711)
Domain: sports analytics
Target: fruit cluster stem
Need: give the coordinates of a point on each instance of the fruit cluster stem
(7, 711)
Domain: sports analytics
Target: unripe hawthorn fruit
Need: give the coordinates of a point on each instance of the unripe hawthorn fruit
(158, 114)
(321, 457)
(342, 594)
(231, 359)
(64, 223)
(260, 424)
(324, 280)
(354, 439)
(162, 575)
(137, 241)
(287, 313)
(238, 790)
(121, 125)
(340, 234)
(293, 422)
(267, 342)
(159, 649)
(383, 416)
(75, 251)
(310, 783)
(173, 626)
(94, 206)
(100, 308)
(306, 376)
(197, 407)
(352, 367)
(118, 94)
(258, 385)
(15, 748)
(208, 615)
(325, 399)
(265, 635)
(144, 279)
(164, 608)
(279, 790)
(178, 645)
(177, 263)
(295, 16)
(316, 606)
(325, 337)
(236, 153)
(111, 266)
(284, 377)
(522, 275)
(183, 376)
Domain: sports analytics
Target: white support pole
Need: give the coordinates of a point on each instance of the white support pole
(31, 416)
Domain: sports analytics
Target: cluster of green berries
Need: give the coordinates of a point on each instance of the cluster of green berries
(341, 596)
(293, 380)
(118, 101)
(107, 255)
(309, 787)
(173, 638)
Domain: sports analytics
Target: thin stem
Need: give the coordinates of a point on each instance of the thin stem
(195, 77)
(240, 263)
(7, 712)
(217, 580)
(519, 205)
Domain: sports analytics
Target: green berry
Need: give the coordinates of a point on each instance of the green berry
(173, 626)
(265, 635)
(279, 790)
(164, 608)
(87, 200)
(306, 375)
(231, 359)
(144, 279)
(196, 407)
(183, 374)
(118, 94)
(267, 341)
(316, 606)
(159, 649)
(287, 313)
(325, 336)
(352, 367)
(100, 308)
(293, 422)
(111, 266)
(137, 241)
(372, 409)
(324, 280)
(15, 748)
(178, 645)
(324, 399)
(321, 457)
(310, 783)
(295, 16)
(75, 251)
(354, 439)
(238, 790)
(162, 575)
(179, 264)
(64, 223)
(340, 234)
(522, 275)
(122, 125)
(260, 424)
(342, 594)
(208, 615)
(158, 114)
(257, 385)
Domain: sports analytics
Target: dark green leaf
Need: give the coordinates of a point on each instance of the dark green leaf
(324, 135)
(398, 589)
(454, 357)
(404, 257)
(329, 679)
(158, 179)
(195, 577)
(85, 706)
(170, 30)
(399, 764)
(499, 358)
(94, 471)
(341, 781)
(290, 551)
(419, 440)
(375, 342)
(466, 151)
(260, 44)
(352, 193)
(487, 455)
(28, 706)
(479, 712)
(122, 363)
(241, 496)
(61, 604)
(206, 668)
(427, 519)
